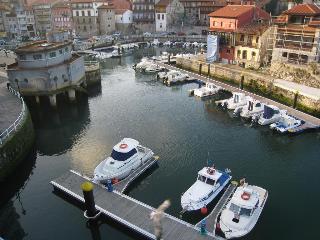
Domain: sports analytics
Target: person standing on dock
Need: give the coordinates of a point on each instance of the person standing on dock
(156, 217)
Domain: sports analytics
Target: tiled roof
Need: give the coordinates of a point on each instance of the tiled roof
(253, 28)
(121, 11)
(235, 11)
(105, 6)
(121, 4)
(163, 3)
(304, 9)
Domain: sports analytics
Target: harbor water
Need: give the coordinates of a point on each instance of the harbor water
(183, 131)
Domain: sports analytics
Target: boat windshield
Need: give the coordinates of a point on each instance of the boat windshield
(119, 156)
(202, 178)
(210, 181)
(239, 210)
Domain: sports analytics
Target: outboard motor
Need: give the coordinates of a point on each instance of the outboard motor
(237, 111)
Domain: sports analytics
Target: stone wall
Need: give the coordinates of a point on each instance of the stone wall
(16, 147)
(308, 75)
(253, 82)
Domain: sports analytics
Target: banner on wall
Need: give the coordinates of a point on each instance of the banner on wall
(212, 48)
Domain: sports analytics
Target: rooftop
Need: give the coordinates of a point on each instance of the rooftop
(41, 46)
(235, 11)
(253, 28)
(304, 9)
(163, 3)
(105, 6)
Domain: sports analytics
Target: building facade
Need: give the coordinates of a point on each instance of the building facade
(43, 18)
(26, 21)
(143, 14)
(85, 17)
(124, 19)
(297, 35)
(62, 16)
(168, 14)
(46, 68)
(232, 25)
(106, 19)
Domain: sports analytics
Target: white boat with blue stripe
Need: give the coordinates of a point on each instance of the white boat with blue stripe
(126, 156)
(210, 182)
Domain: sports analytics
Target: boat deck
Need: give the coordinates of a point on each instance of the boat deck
(128, 211)
(311, 122)
(212, 217)
(123, 184)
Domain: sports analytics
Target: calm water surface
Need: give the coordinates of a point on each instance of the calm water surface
(183, 131)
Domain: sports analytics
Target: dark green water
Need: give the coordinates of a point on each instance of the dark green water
(181, 130)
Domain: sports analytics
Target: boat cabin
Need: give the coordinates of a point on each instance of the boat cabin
(269, 111)
(210, 86)
(238, 97)
(124, 149)
(209, 175)
(243, 203)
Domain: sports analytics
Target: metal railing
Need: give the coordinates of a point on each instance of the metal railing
(13, 127)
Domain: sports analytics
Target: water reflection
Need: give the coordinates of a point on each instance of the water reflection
(59, 126)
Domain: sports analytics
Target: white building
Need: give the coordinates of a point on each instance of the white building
(123, 19)
(85, 17)
(168, 13)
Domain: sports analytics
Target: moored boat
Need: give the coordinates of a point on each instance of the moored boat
(242, 211)
(253, 107)
(125, 157)
(237, 100)
(210, 182)
(208, 90)
(271, 114)
(286, 123)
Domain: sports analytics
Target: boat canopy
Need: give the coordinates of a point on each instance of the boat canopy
(126, 145)
(237, 96)
(269, 111)
(245, 197)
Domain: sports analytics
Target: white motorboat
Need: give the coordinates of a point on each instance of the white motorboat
(142, 65)
(186, 45)
(164, 75)
(210, 182)
(153, 68)
(208, 90)
(252, 108)
(286, 123)
(237, 100)
(271, 114)
(155, 42)
(195, 44)
(126, 156)
(102, 55)
(242, 211)
(167, 44)
(176, 78)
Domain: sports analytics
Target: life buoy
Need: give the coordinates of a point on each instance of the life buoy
(210, 171)
(123, 146)
(245, 196)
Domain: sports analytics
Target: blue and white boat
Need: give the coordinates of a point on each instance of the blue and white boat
(210, 182)
(286, 123)
(271, 114)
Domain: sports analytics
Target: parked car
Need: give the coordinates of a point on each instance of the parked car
(147, 34)
(181, 34)
(171, 33)
(193, 34)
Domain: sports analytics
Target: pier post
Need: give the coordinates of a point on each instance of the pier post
(169, 59)
(209, 69)
(295, 100)
(72, 95)
(241, 82)
(37, 99)
(87, 189)
(203, 229)
(200, 68)
(53, 100)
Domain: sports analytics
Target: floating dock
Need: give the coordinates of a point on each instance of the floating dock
(211, 219)
(128, 211)
(311, 122)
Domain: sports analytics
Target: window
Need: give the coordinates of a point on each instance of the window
(37, 56)
(60, 51)
(162, 16)
(25, 80)
(253, 54)
(84, 28)
(23, 57)
(82, 12)
(66, 49)
(242, 38)
(245, 211)
(202, 178)
(285, 54)
(239, 53)
(234, 208)
(55, 78)
(228, 51)
(89, 13)
(211, 181)
(257, 39)
(119, 156)
(52, 54)
(158, 16)
(77, 13)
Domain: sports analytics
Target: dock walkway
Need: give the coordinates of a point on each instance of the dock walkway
(128, 211)
(310, 121)
(212, 217)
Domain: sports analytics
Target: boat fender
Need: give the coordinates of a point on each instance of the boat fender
(245, 196)
(123, 146)
(204, 210)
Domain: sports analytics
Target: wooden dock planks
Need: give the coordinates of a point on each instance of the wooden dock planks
(311, 121)
(212, 217)
(128, 211)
